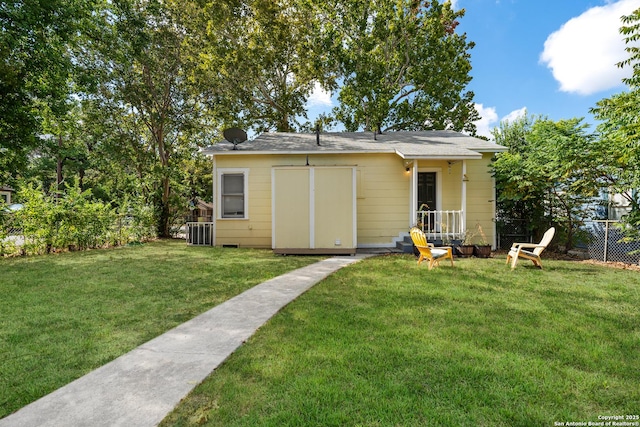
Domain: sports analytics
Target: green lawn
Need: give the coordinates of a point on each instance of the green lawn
(387, 343)
(382, 342)
(62, 316)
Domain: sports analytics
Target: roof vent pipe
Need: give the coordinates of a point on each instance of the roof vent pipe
(377, 131)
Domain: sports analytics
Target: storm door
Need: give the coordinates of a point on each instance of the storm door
(427, 198)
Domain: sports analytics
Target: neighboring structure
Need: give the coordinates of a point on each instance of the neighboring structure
(613, 206)
(5, 194)
(200, 211)
(199, 223)
(336, 192)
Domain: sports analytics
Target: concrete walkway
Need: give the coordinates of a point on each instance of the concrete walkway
(141, 387)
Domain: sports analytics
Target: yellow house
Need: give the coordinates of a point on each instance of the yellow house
(333, 193)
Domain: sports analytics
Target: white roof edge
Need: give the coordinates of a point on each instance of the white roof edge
(476, 153)
(474, 156)
(446, 157)
(316, 152)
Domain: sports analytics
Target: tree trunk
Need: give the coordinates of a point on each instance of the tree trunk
(163, 220)
(60, 163)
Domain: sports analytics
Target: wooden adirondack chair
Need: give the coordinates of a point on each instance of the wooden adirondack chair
(427, 251)
(530, 251)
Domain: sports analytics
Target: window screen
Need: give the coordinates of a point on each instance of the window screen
(233, 195)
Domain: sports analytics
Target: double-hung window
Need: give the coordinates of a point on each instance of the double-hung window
(232, 190)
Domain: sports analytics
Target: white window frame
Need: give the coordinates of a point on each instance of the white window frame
(233, 171)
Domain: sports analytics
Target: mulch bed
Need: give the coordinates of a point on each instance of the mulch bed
(565, 257)
(620, 265)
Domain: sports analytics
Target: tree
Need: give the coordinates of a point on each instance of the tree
(518, 195)
(562, 152)
(546, 174)
(398, 65)
(619, 145)
(403, 65)
(37, 38)
(256, 60)
(62, 151)
(143, 94)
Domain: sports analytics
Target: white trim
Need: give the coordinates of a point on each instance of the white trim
(493, 218)
(413, 194)
(464, 195)
(213, 198)
(224, 171)
(354, 198)
(474, 154)
(273, 208)
(312, 207)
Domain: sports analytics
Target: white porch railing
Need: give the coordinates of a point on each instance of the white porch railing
(441, 225)
(199, 233)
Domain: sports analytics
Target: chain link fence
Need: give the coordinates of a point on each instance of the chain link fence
(606, 243)
(601, 239)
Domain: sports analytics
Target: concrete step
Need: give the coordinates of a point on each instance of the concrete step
(404, 246)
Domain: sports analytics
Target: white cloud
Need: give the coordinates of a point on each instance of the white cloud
(515, 115)
(582, 54)
(488, 119)
(319, 97)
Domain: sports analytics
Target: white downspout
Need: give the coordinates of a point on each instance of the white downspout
(463, 206)
(495, 223)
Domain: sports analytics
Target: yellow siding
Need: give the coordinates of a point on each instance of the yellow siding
(451, 186)
(481, 197)
(382, 191)
(256, 230)
(383, 199)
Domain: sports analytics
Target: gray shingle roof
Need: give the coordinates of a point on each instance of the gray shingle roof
(411, 145)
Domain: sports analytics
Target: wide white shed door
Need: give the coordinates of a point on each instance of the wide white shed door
(314, 209)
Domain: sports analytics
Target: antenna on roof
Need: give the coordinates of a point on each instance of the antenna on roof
(235, 135)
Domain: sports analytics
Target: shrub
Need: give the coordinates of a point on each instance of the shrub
(73, 220)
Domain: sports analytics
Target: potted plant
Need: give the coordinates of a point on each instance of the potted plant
(482, 249)
(421, 213)
(465, 249)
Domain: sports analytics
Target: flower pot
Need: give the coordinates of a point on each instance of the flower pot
(464, 250)
(482, 251)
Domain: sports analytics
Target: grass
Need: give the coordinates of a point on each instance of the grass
(384, 342)
(64, 315)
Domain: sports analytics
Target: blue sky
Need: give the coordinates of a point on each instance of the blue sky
(549, 57)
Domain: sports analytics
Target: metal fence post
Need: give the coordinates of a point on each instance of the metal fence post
(606, 240)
